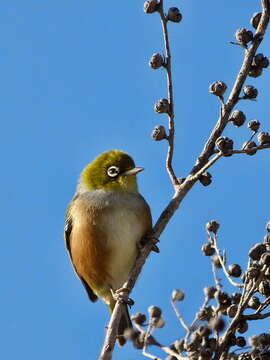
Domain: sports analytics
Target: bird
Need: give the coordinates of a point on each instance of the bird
(104, 225)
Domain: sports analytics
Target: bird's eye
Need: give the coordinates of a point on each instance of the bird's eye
(113, 171)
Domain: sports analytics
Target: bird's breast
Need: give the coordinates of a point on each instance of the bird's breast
(116, 223)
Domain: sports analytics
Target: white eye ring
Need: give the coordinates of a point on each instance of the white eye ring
(113, 171)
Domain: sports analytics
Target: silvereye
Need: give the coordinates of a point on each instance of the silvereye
(105, 222)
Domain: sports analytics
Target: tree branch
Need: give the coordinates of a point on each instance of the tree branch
(167, 66)
(237, 87)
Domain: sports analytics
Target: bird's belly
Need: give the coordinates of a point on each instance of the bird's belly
(125, 232)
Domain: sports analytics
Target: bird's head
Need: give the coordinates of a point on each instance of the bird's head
(113, 171)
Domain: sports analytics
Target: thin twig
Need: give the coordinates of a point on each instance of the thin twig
(216, 278)
(168, 68)
(214, 238)
(263, 305)
(235, 92)
(180, 316)
(256, 316)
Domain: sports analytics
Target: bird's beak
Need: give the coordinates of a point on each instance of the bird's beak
(133, 171)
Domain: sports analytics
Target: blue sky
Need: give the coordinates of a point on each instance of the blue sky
(75, 82)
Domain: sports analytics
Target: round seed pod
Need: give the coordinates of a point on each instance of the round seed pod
(232, 310)
(254, 125)
(222, 297)
(264, 288)
(264, 339)
(217, 324)
(205, 179)
(208, 249)
(234, 270)
(218, 88)
(154, 311)
(253, 341)
(241, 341)
(256, 251)
(242, 327)
(255, 71)
(212, 226)
(263, 138)
(261, 61)
(254, 302)
(156, 61)
(254, 21)
(224, 145)
(250, 92)
(209, 291)
(268, 226)
(205, 314)
(204, 331)
(178, 295)
(244, 36)
(150, 6)
(237, 118)
(265, 259)
(159, 133)
(236, 298)
(138, 318)
(162, 106)
(174, 15)
(249, 147)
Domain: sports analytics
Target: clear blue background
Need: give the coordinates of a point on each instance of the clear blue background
(75, 82)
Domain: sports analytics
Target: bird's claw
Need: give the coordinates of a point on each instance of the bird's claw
(146, 239)
(121, 295)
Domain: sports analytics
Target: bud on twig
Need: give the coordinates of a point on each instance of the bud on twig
(261, 61)
(208, 249)
(174, 15)
(254, 125)
(250, 92)
(150, 6)
(237, 118)
(162, 106)
(156, 61)
(255, 71)
(212, 226)
(263, 138)
(138, 318)
(225, 145)
(254, 21)
(218, 88)
(205, 179)
(234, 270)
(178, 295)
(249, 147)
(244, 36)
(154, 311)
(159, 133)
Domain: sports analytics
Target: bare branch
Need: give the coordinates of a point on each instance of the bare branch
(235, 92)
(256, 316)
(214, 238)
(168, 68)
(180, 316)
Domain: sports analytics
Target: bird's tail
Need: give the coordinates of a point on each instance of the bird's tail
(125, 323)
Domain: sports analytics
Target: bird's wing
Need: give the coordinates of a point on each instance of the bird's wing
(67, 236)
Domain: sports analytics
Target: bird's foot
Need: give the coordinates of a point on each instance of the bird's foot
(122, 296)
(146, 239)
